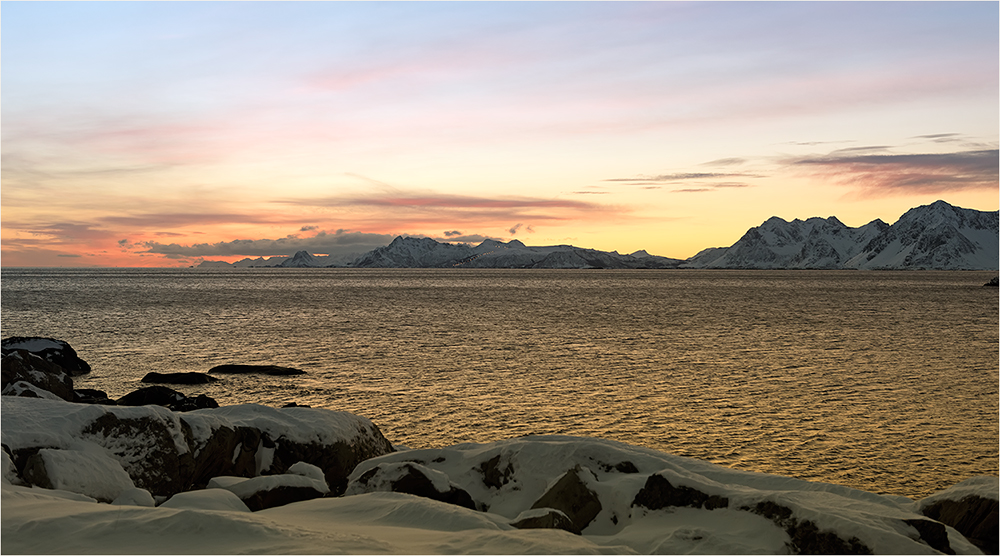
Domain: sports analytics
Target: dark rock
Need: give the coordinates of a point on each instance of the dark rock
(414, 481)
(932, 533)
(152, 395)
(279, 496)
(659, 493)
(493, 476)
(167, 397)
(993, 283)
(805, 536)
(973, 516)
(571, 495)
(272, 370)
(178, 378)
(293, 404)
(553, 519)
(89, 395)
(146, 449)
(19, 365)
(53, 351)
(620, 467)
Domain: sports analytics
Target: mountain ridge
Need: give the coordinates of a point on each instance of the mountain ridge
(938, 236)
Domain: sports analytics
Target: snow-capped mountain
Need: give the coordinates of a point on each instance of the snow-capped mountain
(412, 252)
(935, 236)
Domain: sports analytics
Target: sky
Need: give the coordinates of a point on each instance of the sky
(167, 133)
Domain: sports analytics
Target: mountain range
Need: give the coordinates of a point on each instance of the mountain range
(938, 236)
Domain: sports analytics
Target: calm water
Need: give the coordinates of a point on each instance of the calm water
(885, 381)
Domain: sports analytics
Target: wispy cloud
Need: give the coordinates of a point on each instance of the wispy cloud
(891, 174)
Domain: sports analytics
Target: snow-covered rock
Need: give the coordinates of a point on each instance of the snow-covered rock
(971, 508)
(91, 473)
(167, 452)
(697, 507)
(54, 351)
(270, 491)
(26, 374)
(935, 236)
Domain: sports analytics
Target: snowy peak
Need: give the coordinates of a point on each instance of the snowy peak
(301, 259)
(428, 253)
(935, 236)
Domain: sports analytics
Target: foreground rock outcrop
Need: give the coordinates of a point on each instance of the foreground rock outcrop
(166, 452)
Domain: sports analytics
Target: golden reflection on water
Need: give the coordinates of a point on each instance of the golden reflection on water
(885, 381)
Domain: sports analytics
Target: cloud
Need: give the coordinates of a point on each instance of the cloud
(890, 174)
(395, 209)
(513, 230)
(308, 228)
(341, 242)
(452, 233)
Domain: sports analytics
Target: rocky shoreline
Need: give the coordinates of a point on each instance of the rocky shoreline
(156, 448)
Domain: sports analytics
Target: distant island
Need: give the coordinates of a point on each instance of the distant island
(938, 236)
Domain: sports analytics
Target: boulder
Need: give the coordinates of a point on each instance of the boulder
(571, 495)
(53, 351)
(178, 378)
(23, 366)
(411, 478)
(545, 518)
(89, 395)
(273, 370)
(166, 452)
(659, 493)
(135, 497)
(167, 397)
(974, 516)
(270, 491)
(993, 283)
(89, 473)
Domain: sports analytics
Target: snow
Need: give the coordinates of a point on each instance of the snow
(984, 487)
(89, 473)
(298, 424)
(225, 482)
(246, 489)
(307, 470)
(208, 499)
(20, 387)
(134, 497)
(36, 344)
(33, 422)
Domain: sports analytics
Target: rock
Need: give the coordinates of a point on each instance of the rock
(166, 452)
(659, 493)
(260, 493)
(293, 404)
(167, 397)
(149, 447)
(805, 537)
(571, 495)
(178, 378)
(20, 365)
(993, 283)
(973, 516)
(272, 370)
(89, 473)
(933, 533)
(411, 478)
(89, 395)
(53, 351)
(545, 518)
(493, 476)
(152, 395)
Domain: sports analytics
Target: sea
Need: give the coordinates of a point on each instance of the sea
(882, 381)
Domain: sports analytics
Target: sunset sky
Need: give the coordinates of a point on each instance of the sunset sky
(163, 134)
